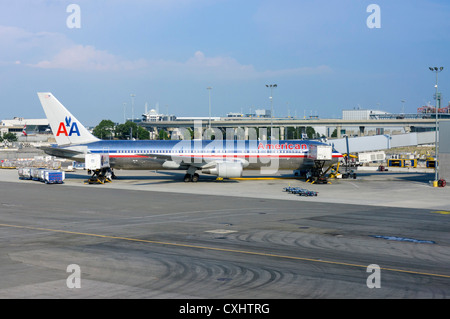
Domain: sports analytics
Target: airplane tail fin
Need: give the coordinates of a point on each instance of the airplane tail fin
(66, 128)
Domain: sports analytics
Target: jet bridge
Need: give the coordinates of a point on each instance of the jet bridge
(381, 142)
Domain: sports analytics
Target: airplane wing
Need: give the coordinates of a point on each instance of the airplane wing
(61, 152)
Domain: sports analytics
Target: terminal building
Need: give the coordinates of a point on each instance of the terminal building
(155, 116)
(361, 114)
(27, 130)
(17, 125)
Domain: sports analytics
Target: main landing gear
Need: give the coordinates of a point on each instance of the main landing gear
(191, 178)
(191, 175)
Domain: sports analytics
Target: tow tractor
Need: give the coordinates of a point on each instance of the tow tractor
(98, 165)
(349, 161)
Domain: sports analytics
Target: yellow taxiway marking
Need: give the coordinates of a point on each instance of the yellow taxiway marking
(222, 250)
(261, 178)
(442, 212)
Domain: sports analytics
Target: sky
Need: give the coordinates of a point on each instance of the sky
(324, 56)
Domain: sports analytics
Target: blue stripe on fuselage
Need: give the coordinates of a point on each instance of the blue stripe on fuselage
(235, 146)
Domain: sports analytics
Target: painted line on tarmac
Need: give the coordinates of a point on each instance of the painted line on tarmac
(221, 249)
(261, 178)
(442, 212)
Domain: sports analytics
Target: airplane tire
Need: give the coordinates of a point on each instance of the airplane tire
(195, 178)
(187, 178)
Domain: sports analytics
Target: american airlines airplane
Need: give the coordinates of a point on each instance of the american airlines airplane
(223, 158)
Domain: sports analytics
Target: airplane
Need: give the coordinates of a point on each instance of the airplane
(222, 158)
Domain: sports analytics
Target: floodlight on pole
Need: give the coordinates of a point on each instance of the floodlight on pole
(209, 91)
(271, 86)
(132, 106)
(436, 162)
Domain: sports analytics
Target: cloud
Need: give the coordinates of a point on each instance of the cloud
(200, 60)
(24, 46)
(231, 67)
(302, 71)
(47, 50)
(19, 44)
(225, 67)
(222, 66)
(80, 57)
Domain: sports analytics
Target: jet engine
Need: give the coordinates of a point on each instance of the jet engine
(225, 170)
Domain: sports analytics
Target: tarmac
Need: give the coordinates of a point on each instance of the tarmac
(407, 188)
(150, 235)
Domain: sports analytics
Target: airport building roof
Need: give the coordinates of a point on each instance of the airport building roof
(20, 121)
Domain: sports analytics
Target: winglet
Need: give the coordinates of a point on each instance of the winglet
(66, 128)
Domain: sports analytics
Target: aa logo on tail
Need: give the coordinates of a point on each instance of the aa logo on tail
(72, 126)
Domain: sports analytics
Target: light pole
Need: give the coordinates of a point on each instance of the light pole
(209, 93)
(436, 163)
(132, 107)
(271, 86)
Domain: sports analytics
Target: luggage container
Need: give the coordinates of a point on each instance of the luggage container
(36, 173)
(369, 157)
(320, 152)
(41, 175)
(24, 172)
(411, 163)
(54, 177)
(96, 161)
(393, 162)
(431, 162)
